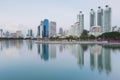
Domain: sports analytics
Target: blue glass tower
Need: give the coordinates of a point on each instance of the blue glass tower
(45, 28)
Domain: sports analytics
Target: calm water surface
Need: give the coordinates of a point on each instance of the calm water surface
(26, 60)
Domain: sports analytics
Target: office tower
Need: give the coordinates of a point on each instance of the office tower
(100, 18)
(45, 31)
(107, 19)
(80, 19)
(38, 33)
(1, 32)
(61, 32)
(28, 34)
(41, 28)
(31, 33)
(52, 29)
(92, 19)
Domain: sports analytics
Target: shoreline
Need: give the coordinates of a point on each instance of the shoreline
(77, 42)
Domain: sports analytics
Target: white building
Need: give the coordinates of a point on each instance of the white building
(19, 34)
(41, 28)
(95, 30)
(52, 29)
(77, 28)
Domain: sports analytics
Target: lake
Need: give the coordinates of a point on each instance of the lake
(27, 60)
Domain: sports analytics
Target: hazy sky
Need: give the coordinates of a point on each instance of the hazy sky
(24, 14)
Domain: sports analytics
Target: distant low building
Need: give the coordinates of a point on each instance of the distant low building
(1, 33)
(19, 34)
(13, 35)
(61, 32)
(95, 30)
(115, 29)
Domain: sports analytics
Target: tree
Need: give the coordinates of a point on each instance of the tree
(92, 37)
(110, 36)
(84, 35)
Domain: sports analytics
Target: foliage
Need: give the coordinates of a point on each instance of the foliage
(110, 36)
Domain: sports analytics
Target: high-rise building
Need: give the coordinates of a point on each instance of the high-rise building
(31, 33)
(41, 29)
(45, 32)
(107, 19)
(38, 33)
(80, 19)
(100, 18)
(52, 29)
(92, 19)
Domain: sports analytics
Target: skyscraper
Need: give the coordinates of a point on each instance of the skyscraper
(80, 19)
(52, 29)
(45, 32)
(92, 18)
(41, 28)
(31, 33)
(100, 18)
(38, 33)
(107, 19)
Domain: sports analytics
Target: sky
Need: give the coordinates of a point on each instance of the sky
(26, 14)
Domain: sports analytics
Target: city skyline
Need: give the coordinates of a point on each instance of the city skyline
(17, 15)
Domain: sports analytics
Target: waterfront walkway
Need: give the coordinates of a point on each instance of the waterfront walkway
(77, 42)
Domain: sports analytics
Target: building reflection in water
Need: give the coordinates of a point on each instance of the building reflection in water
(52, 51)
(78, 51)
(61, 47)
(30, 44)
(107, 59)
(100, 58)
(11, 43)
(80, 56)
(1, 46)
(39, 49)
(47, 51)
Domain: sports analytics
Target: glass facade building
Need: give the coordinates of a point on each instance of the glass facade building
(31, 33)
(92, 18)
(80, 27)
(100, 18)
(107, 19)
(45, 32)
(38, 30)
